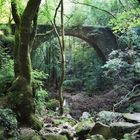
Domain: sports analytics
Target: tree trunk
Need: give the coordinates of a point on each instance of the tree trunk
(20, 97)
(62, 61)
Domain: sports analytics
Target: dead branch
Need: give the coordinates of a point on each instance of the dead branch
(127, 98)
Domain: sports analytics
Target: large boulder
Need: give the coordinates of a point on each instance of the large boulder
(29, 134)
(107, 117)
(135, 117)
(118, 129)
(97, 137)
(101, 129)
(84, 127)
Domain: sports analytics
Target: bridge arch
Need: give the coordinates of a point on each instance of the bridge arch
(100, 38)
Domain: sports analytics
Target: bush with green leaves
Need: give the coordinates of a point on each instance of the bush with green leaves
(8, 118)
(6, 71)
(123, 66)
(5, 29)
(126, 20)
(9, 123)
(38, 79)
(41, 98)
(52, 104)
(72, 84)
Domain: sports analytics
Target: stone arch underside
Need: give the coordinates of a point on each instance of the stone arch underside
(101, 38)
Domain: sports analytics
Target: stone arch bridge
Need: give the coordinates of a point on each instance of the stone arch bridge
(101, 38)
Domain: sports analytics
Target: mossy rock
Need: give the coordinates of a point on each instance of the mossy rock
(107, 117)
(120, 128)
(84, 127)
(54, 137)
(97, 137)
(135, 117)
(35, 122)
(128, 137)
(101, 129)
(29, 134)
(62, 120)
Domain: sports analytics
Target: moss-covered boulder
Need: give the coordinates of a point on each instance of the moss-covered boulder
(54, 137)
(36, 122)
(64, 119)
(84, 127)
(97, 137)
(107, 117)
(118, 129)
(29, 134)
(101, 129)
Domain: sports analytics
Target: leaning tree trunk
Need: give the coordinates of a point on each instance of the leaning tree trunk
(20, 97)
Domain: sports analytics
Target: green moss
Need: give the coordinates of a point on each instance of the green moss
(30, 134)
(35, 122)
(62, 120)
(84, 127)
(23, 104)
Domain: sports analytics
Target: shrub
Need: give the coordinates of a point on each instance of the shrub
(73, 84)
(9, 122)
(6, 71)
(123, 66)
(41, 98)
(8, 119)
(37, 78)
(52, 104)
(5, 28)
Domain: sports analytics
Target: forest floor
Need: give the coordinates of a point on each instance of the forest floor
(79, 102)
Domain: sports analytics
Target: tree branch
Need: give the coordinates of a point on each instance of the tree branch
(56, 10)
(32, 7)
(15, 14)
(34, 29)
(126, 98)
(122, 4)
(86, 4)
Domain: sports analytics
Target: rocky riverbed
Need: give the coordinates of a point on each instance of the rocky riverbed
(105, 125)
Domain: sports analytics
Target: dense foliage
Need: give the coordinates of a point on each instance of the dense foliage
(32, 74)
